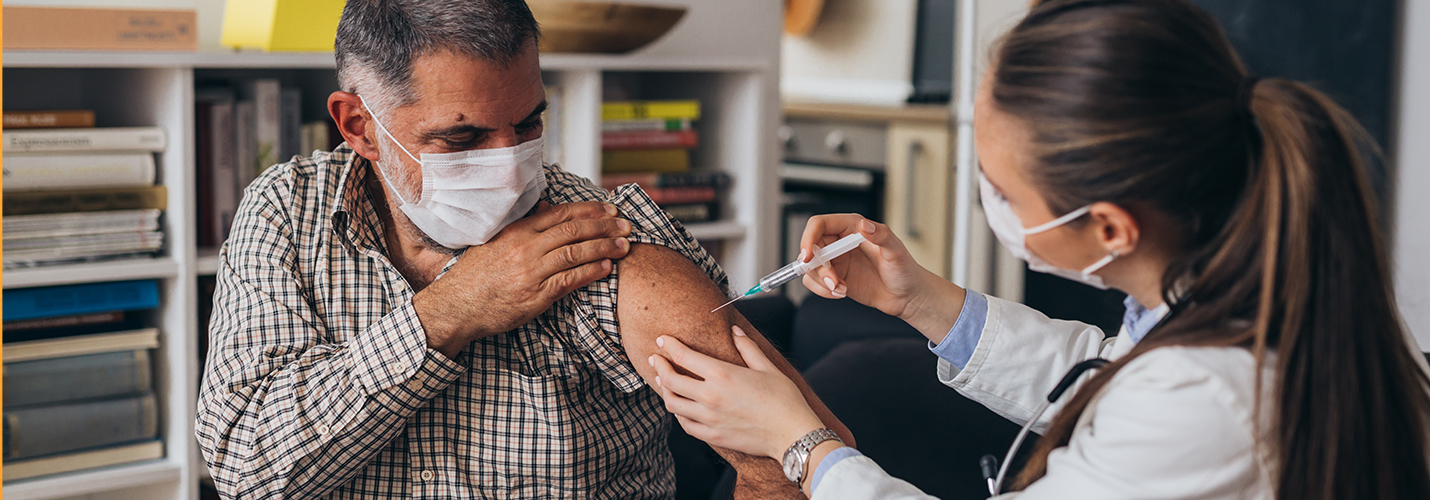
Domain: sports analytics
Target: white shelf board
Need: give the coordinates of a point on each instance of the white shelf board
(91, 273)
(94, 481)
(208, 262)
(716, 230)
(324, 60)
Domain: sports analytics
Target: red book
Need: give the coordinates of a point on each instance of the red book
(649, 139)
(681, 195)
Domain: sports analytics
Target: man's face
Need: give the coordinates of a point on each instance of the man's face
(462, 103)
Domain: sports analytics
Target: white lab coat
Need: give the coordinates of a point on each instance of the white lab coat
(1176, 422)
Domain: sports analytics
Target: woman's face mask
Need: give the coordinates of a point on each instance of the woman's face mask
(1011, 233)
(469, 196)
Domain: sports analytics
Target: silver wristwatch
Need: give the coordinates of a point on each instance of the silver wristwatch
(797, 456)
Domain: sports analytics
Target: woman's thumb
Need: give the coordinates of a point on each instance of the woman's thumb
(750, 352)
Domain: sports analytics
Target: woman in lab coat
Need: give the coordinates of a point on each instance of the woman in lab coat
(1123, 144)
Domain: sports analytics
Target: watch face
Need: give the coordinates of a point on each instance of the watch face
(792, 466)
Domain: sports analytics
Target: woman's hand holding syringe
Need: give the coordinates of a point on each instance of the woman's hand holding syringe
(881, 274)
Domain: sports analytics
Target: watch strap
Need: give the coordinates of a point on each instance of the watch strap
(796, 458)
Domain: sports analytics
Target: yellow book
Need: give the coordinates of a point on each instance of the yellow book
(645, 110)
(291, 25)
(646, 160)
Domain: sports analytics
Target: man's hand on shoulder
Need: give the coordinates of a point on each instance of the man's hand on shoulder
(663, 293)
(530, 264)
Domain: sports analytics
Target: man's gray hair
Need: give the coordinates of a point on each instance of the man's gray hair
(379, 39)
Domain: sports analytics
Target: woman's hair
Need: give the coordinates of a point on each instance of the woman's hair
(1145, 103)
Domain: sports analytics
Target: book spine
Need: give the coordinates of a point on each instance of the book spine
(245, 144)
(150, 139)
(267, 129)
(649, 139)
(86, 200)
(100, 318)
(75, 378)
(697, 212)
(681, 195)
(16, 470)
(645, 125)
(648, 181)
(43, 430)
(225, 184)
(77, 118)
(48, 302)
(641, 110)
(646, 160)
(290, 124)
(37, 172)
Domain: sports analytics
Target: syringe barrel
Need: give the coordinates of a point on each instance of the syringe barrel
(783, 275)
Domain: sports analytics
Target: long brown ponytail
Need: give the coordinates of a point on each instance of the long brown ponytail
(1144, 102)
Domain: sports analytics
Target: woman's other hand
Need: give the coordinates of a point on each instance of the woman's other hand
(755, 410)
(882, 274)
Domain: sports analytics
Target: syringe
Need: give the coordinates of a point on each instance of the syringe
(797, 269)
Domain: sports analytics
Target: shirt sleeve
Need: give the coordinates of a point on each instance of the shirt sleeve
(284, 411)
(829, 461)
(957, 347)
(597, 333)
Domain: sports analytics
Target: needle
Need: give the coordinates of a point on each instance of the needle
(722, 306)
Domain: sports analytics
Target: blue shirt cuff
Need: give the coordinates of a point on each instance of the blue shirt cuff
(957, 348)
(829, 460)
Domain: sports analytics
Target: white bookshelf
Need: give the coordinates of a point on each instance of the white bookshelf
(740, 107)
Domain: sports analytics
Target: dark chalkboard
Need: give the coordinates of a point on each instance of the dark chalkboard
(1345, 48)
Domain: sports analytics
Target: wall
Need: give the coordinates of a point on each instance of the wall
(1412, 155)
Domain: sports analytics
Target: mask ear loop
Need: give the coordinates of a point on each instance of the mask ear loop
(383, 128)
(1087, 271)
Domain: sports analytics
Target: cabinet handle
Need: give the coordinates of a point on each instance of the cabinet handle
(911, 183)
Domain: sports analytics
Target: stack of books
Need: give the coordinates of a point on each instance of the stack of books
(78, 378)
(78, 193)
(649, 143)
(241, 128)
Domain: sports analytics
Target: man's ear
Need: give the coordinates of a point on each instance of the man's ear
(352, 119)
(1117, 229)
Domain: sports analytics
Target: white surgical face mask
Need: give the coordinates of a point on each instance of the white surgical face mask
(1011, 233)
(469, 196)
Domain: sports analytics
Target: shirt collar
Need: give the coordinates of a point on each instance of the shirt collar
(1138, 320)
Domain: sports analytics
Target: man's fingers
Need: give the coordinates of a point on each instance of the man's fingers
(562, 283)
(582, 253)
(548, 217)
(580, 230)
(699, 364)
(751, 353)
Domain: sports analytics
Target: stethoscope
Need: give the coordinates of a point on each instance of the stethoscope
(989, 462)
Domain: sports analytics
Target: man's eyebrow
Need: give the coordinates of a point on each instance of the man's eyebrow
(540, 108)
(458, 129)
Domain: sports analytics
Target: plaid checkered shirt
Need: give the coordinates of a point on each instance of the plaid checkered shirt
(319, 381)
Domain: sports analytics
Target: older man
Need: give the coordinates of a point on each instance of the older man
(401, 317)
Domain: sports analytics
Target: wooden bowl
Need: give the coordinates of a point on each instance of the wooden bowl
(601, 27)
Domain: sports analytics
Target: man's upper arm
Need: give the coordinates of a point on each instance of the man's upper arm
(663, 293)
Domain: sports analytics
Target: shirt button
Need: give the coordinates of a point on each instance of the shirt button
(414, 384)
(427, 475)
(322, 430)
(400, 366)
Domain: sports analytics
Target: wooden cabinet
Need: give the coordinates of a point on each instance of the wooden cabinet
(918, 191)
